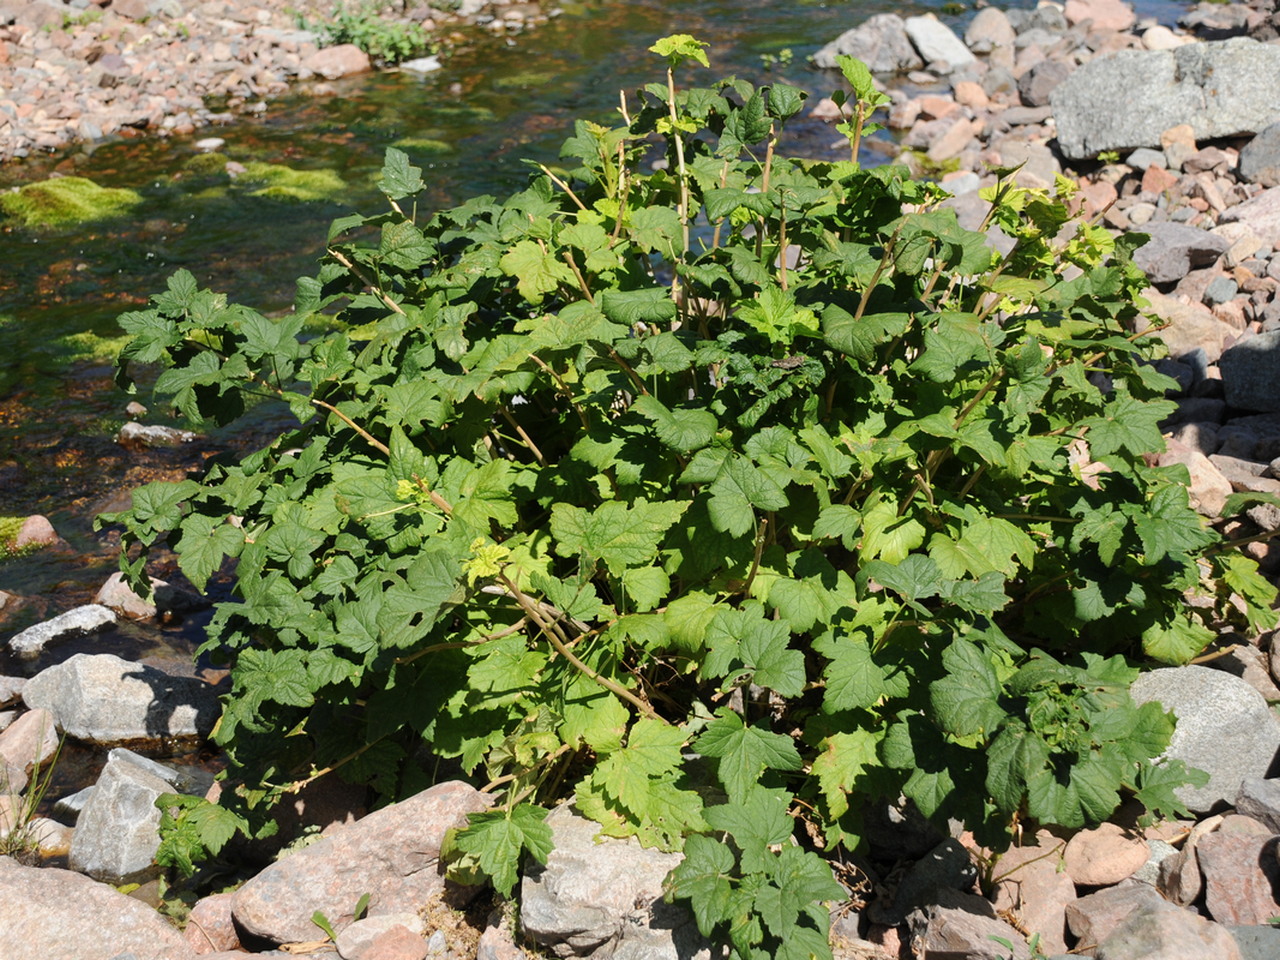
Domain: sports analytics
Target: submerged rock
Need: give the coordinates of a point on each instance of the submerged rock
(90, 618)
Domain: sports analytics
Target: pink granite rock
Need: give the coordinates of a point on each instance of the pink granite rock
(1036, 890)
(392, 855)
(1241, 875)
(210, 928)
(1105, 14)
(1104, 855)
(340, 61)
(52, 914)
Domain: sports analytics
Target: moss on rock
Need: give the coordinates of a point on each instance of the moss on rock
(423, 146)
(279, 182)
(66, 200)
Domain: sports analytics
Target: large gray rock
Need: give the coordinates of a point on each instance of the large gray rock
(590, 895)
(1257, 943)
(959, 924)
(1127, 99)
(1260, 158)
(1224, 728)
(91, 618)
(881, 43)
(988, 29)
(52, 914)
(100, 698)
(937, 44)
(1260, 799)
(946, 866)
(393, 855)
(117, 834)
(1165, 932)
(1249, 368)
(1175, 249)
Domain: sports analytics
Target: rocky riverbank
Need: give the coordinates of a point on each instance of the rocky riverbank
(82, 70)
(1168, 131)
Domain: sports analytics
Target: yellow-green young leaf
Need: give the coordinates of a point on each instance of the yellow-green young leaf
(1240, 573)
(688, 617)
(844, 759)
(886, 535)
(593, 716)
(1176, 641)
(535, 271)
(646, 587)
(680, 47)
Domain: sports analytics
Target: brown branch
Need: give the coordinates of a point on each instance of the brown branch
(342, 259)
(562, 185)
(562, 648)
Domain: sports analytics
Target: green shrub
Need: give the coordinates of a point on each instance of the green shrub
(385, 41)
(723, 498)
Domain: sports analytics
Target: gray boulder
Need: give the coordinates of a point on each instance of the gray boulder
(881, 43)
(1249, 373)
(117, 834)
(989, 28)
(393, 855)
(606, 895)
(1257, 943)
(52, 914)
(1260, 799)
(1224, 728)
(948, 866)
(957, 924)
(101, 698)
(1036, 86)
(937, 45)
(1127, 99)
(1175, 249)
(1165, 932)
(91, 618)
(1260, 158)
(11, 690)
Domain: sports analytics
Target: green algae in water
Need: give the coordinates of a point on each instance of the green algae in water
(273, 181)
(284, 183)
(67, 200)
(206, 165)
(424, 146)
(462, 114)
(519, 81)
